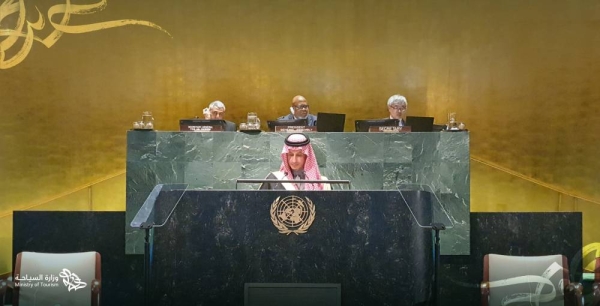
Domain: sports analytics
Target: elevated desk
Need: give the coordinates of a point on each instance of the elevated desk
(372, 161)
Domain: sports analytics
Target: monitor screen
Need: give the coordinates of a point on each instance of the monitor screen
(204, 124)
(364, 125)
(329, 122)
(420, 124)
(293, 122)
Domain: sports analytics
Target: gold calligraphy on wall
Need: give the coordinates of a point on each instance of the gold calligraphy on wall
(29, 31)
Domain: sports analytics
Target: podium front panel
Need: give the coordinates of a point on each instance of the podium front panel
(217, 241)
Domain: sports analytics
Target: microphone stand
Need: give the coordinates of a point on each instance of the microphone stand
(436, 227)
(147, 227)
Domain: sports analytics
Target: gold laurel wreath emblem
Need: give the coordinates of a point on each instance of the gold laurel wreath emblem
(283, 229)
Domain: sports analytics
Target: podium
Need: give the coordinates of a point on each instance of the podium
(208, 245)
(371, 161)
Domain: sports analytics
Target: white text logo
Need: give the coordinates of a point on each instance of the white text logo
(71, 280)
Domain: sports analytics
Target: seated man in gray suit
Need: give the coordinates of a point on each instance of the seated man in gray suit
(299, 110)
(397, 105)
(216, 110)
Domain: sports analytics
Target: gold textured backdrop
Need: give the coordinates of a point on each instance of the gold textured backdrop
(521, 74)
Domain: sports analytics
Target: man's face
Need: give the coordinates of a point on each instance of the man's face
(397, 110)
(216, 113)
(300, 108)
(296, 159)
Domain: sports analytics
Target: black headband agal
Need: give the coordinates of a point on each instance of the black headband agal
(297, 144)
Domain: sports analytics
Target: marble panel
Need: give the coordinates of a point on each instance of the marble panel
(340, 148)
(225, 174)
(198, 174)
(395, 174)
(199, 147)
(170, 147)
(141, 146)
(398, 149)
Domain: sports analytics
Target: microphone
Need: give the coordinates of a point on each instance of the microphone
(262, 181)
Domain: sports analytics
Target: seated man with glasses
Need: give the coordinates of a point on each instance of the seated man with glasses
(397, 105)
(299, 110)
(216, 110)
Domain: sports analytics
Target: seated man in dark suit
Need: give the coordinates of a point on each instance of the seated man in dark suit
(397, 106)
(298, 162)
(216, 110)
(299, 110)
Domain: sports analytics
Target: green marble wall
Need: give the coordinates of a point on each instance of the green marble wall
(371, 161)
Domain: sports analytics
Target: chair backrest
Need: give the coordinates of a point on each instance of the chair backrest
(597, 271)
(521, 280)
(596, 285)
(56, 279)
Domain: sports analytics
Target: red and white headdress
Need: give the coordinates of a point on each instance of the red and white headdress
(311, 168)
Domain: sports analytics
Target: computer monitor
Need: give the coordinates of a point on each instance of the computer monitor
(328, 122)
(201, 125)
(364, 125)
(420, 124)
(292, 122)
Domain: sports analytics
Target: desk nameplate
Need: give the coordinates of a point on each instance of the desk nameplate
(389, 129)
(295, 129)
(201, 128)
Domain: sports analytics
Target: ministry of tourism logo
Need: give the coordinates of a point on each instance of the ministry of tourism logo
(292, 214)
(69, 280)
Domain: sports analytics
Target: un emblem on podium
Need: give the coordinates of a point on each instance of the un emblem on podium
(292, 214)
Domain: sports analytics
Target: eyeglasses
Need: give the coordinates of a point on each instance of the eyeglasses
(398, 107)
(303, 106)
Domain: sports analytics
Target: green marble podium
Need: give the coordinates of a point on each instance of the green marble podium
(371, 161)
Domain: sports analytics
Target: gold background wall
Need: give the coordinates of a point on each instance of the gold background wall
(523, 75)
